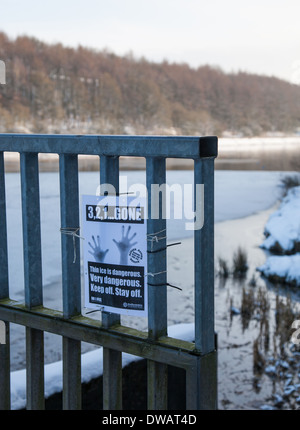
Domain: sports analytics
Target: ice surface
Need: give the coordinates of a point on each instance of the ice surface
(237, 194)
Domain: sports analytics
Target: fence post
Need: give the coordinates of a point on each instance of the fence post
(32, 277)
(203, 379)
(201, 383)
(69, 200)
(3, 234)
(5, 371)
(157, 282)
(112, 360)
(4, 293)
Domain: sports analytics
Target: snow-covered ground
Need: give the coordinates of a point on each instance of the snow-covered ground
(283, 228)
(238, 194)
(283, 234)
(284, 268)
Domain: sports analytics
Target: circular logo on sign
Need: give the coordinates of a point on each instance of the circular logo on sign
(135, 255)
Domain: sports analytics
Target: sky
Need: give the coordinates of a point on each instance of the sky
(257, 36)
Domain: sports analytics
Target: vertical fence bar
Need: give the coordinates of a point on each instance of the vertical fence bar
(206, 369)
(201, 383)
(69, 201)
(32, 277)
(5, 371)
(157, 288)
(204, 260)
(112, 360)
(4, 293)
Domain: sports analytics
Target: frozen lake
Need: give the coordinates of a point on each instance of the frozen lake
(243, 202)
(237, 194)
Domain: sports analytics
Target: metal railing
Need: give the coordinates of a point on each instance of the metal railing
(199, 358)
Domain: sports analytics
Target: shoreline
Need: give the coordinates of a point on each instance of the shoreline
(254, 153)
(91, 163)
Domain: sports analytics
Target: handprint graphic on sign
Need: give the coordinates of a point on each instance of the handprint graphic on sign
(124, 245)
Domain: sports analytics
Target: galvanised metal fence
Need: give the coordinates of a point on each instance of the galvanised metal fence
(198, 358)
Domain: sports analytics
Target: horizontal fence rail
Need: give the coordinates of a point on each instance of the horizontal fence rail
(130, 146)
(198, 358)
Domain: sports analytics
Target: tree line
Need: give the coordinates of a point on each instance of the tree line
(51, 88)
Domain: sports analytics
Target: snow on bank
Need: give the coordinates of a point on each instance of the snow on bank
(91, 365)
(285, 268)
(283, 228)
(283, 235)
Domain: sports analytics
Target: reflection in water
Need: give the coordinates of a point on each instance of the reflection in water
(260, 324)
(278, 154)
(258, 365)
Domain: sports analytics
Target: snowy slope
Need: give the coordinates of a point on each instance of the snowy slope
(285, 268)
(283, 234)
(283, 228)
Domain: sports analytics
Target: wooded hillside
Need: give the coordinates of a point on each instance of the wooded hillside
(56, 89)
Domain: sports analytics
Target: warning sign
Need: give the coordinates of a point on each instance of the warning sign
(115, 254)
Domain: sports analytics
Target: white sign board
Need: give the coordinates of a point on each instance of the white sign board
(115, 254)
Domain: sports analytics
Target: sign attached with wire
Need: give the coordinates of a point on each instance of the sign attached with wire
(115, 254)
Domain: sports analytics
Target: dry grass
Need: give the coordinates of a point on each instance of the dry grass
(247, 307)
(240, 263)
(239, 266)
(258, 358)
(289, 182)
(284, 317)
(223, 270)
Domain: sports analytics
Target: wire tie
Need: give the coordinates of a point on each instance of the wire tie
(72, 231)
